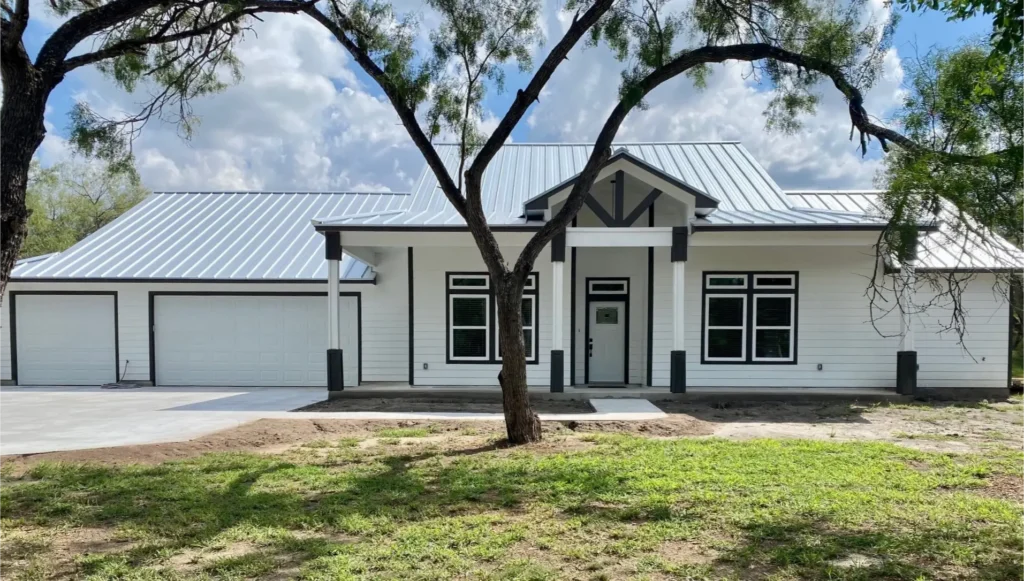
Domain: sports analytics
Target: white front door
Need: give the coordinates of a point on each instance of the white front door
(606, 353)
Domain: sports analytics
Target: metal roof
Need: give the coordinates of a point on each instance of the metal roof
(948, 247)
(229, 236)
(725, 171)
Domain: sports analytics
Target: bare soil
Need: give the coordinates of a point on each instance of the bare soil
(438, 405)
(939, 427)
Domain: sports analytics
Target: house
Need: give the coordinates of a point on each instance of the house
(688, 267)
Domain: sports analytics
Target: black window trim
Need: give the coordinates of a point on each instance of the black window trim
(492, 358)
(750, 292)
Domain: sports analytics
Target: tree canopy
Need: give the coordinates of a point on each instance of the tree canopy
(73, 199)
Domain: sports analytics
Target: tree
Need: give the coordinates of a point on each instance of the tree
(73, 199)
(959, 110)
(177, 50)
(1007, 21)
(793, 44)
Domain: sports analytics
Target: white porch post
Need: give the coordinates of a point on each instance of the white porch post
(906, 356)
(335, 360)
(557, 295)
(677, 362)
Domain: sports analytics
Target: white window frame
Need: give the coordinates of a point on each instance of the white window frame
(709, 286)
(531, 282)
(791, 285)
(484, 277)
(791, 327)
(452, 327)
(624, 290)
(530, 357)
(708, 327)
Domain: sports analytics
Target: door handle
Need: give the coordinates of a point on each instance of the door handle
(590, 347)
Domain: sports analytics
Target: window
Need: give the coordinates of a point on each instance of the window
(473, 323)
(725, 336)
(469, 318)
(607, 287)
(773, 327)
(749, 323)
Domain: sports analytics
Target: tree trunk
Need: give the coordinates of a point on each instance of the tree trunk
(21, 133)
(521, 424)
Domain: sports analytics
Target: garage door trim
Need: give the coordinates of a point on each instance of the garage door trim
(13, 295)
(152, 318)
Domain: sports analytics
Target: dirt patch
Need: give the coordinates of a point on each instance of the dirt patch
(685, 552)
(266, 435)
(671, 427)
(442, 405)
(1005, 486)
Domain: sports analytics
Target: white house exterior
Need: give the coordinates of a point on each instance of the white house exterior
(688, 267)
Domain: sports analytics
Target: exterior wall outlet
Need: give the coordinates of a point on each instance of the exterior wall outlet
(424, 366)
(820, 367)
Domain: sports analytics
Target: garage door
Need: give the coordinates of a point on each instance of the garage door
(249, 340)
(64, 339)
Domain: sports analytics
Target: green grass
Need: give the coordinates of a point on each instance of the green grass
(608, 507)
(1018, 362)
(411, 432)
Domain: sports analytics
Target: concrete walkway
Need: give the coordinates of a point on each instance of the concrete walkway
(46, 419)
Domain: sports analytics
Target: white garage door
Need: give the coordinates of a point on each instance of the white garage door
(65, 339)
(249, 340)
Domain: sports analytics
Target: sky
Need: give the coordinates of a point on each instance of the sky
(304, 118)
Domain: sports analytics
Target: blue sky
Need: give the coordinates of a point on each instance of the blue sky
(304, 117)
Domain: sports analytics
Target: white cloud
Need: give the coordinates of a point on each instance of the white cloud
(584, 89)
(302, 120)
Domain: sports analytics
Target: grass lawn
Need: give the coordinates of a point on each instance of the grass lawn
(414, 505)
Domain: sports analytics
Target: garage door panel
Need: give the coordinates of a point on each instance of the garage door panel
(65, 339)
(249, 341)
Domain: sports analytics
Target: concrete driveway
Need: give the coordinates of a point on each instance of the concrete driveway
(45, 419)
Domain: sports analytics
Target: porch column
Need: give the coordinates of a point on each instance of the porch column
(335, 362)
(557, 295)
(677, 369)
(906, 356)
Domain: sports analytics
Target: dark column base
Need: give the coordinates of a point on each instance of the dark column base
(906, 372)
(677, 373)
(335, 370)
(557, 371)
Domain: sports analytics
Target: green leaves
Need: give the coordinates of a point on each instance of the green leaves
(946, 112)
(73, 199)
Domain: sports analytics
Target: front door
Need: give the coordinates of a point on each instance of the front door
(606, 351)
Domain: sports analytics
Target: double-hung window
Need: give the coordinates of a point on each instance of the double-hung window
(473, 323)
(749, 317)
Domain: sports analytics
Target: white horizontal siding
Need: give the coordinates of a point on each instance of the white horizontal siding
(386, 318)
(5, 338)
(430, 265)
(834, 326)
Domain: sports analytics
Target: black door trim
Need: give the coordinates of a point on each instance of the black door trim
(13, 295)
(624, 297)
(152, 320)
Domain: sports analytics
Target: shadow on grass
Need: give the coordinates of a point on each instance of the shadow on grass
(337, 505)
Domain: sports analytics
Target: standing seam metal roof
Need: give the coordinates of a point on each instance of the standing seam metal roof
(230, 236)
(947, 248)
(520, 171)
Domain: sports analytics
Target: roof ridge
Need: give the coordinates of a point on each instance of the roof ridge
(831, 192)
(283, 192)
(614, 143)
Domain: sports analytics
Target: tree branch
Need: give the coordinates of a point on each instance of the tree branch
(16, 23)
(405, 113)
(161, 36)
(526, 97)
(677, 66)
